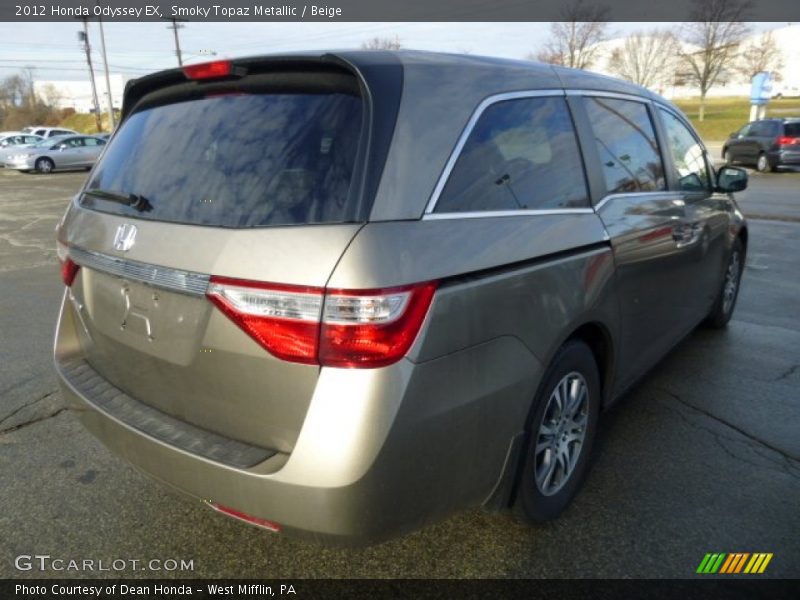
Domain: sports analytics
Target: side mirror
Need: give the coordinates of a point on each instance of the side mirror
(731, 179)
(733, 135)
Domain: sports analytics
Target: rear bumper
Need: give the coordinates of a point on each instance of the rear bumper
(381, 451)
(787, 157)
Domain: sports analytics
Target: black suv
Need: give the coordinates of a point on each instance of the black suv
(767, 144)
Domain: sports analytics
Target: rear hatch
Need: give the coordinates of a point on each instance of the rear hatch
(249, 175)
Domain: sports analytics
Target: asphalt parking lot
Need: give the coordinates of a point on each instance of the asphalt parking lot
(703, 456)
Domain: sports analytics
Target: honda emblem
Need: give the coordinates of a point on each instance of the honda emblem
(125, 237)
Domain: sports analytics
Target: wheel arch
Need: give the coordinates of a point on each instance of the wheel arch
(597, 336)
(743, 235)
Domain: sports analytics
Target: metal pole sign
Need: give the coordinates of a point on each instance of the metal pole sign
(760, 93)
(761, 89)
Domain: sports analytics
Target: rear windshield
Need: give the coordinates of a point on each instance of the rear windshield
(248, 160)
(792, 129)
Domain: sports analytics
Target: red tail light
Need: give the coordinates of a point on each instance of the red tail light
(283, 319)
(788, 141)
(341, 328)
(237, 514)
(209, 70)
(69, 269)
(372, 328)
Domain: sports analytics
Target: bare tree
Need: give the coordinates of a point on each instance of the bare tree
(760, 54)
(574, 40)
(19, 104)
(51, 95)
(379, 43)
(712, 41)
(645, 58)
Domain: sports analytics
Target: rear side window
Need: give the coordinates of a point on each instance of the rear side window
(764, 129)
(791, 129)
(521, 154)
(626, 143)
(688, 158)
(248, 160)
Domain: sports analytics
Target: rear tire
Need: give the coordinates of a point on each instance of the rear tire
(722, 310)
(561, 434)
(762, 163)
(45, 166)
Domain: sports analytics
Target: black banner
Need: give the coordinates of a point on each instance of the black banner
(706, 589)
(375, 10)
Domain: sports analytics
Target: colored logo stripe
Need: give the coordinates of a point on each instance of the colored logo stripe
(734, 563)
(758, 563)
(711, 563)
(716, 562)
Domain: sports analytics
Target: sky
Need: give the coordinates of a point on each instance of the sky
(138, 48)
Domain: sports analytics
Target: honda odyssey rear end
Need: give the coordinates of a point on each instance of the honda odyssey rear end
(342, 296)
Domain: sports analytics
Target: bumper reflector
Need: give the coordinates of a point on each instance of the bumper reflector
(236, 514)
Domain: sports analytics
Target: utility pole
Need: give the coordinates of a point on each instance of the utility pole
(111, 119)
(175, 26)
(83, 36)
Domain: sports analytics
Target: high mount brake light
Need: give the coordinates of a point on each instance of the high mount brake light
(209, 70)
(341, 328)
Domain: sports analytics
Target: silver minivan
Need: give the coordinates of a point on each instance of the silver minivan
(342, 296)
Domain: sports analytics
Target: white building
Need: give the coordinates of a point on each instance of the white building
(786, 38)
(78, 94)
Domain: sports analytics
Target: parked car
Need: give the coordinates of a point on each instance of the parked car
(19, 139)
(370, 289)
(48, 132)
(56, 153)
(10, 144)
(768, 144)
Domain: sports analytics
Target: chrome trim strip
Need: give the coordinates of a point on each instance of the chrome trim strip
(488, 214)
(605, 94)
(485, 103)
(184, 282)
(665, 194)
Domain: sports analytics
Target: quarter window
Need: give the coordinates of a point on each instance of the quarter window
(690, 167)
(521, 155)
(626, 143)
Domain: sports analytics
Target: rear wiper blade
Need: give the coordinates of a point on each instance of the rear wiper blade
(135, 201)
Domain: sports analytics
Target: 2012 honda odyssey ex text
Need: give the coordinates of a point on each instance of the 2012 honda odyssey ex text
(343, 295)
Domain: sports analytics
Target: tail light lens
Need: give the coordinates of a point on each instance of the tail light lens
(69, 269)
(341, 328)
(283, 319)
(372, 328)
(788, 141)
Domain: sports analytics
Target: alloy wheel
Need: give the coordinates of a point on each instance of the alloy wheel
(44, 166)
(731, 282)
(561, 434)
